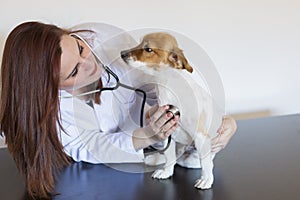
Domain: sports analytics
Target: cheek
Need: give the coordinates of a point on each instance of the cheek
(66, 85)
(152, 58)
(74, 83)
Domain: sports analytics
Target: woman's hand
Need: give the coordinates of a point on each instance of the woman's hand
(225, 132)
(159, 126)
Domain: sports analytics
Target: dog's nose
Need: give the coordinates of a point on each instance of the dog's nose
(124, 54)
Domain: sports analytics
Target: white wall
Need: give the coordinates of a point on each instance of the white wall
(255, 45)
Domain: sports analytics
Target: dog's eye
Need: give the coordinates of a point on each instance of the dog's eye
(148, 49)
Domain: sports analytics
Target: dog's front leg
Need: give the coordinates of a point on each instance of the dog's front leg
(168, 169)
(203, 146)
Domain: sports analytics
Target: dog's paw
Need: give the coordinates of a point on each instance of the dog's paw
(162, 173)
(204, 183)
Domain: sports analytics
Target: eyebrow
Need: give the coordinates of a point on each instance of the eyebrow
(76, 64)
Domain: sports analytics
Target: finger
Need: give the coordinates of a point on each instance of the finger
(171, 130)
(164, 135)
(152, 110)
(163, 121)
(171, 126)
(158, 118)
(220, 130)
(215, 140)
(158, 113)
(216, 149)
(172, 120)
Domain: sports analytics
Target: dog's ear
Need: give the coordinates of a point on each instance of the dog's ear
(187, 66)
(179, 61)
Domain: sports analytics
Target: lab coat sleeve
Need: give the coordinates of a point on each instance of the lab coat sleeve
(95, 147)
(84, 140)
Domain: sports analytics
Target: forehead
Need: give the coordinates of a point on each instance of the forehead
(159, 40)
(68, 44)
(69, 54)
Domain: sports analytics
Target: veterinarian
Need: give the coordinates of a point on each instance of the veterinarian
(42, 66)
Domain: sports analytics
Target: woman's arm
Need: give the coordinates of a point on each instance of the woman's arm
(84, 141)
(84, 144)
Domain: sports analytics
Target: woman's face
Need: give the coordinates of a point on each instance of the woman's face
(79, 66)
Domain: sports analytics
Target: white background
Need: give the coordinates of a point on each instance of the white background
(255, 45)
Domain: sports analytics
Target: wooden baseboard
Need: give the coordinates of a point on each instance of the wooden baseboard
(251, 115)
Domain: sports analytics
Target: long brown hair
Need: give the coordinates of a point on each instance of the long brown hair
(29, 104)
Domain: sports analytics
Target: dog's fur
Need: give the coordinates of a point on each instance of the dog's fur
(158, 54)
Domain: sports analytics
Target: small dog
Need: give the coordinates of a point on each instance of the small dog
(158, 55)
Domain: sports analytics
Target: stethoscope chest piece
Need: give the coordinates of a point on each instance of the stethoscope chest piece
(174, 110)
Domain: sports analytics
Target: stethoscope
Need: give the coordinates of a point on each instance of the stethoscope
(118, 84)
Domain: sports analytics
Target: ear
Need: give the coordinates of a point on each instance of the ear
(188, 67)
(173, 58)
(180, 62)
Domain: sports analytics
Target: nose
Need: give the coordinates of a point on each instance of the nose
(87, 63)
(124, 54)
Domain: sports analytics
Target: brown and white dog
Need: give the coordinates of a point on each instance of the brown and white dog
(159, 56)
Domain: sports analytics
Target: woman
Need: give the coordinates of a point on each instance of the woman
(42, 67)
(39, 61)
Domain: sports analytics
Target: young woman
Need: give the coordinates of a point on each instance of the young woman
(42, 67)
(40, 63)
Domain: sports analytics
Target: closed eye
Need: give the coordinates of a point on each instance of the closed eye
(74, 72)
(80, 47)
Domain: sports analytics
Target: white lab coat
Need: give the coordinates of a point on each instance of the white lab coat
(102, 134)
